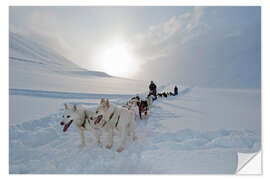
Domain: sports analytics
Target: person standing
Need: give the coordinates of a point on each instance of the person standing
(175, 90)
(153, 89)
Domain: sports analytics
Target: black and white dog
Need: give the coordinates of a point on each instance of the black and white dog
(164, 94)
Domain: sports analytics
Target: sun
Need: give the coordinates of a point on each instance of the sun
(117, 60)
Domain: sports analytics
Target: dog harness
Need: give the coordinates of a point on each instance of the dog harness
(84, 120)
(110, 118)
(127, 106)
(117, 121)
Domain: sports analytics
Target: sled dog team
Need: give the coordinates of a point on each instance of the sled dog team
(110, 118)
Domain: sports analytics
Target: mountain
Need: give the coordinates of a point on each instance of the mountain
(35, 66)
(24, 50)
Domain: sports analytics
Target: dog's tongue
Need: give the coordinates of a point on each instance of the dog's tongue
(98, 119)
(67, 126)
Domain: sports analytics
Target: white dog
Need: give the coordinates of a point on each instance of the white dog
(84, 120)
(111, 117)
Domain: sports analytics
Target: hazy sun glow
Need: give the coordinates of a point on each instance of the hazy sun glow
(117, 60)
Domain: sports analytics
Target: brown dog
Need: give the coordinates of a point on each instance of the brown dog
(143, 107)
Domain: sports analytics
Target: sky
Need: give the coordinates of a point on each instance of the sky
(204, 46)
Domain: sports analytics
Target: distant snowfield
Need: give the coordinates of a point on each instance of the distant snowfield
(199, 131)
(217, 108)
(24, 75)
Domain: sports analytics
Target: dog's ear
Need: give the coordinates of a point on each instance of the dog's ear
(107, 103)
(102, 101)
(66, 107)
(74, 108)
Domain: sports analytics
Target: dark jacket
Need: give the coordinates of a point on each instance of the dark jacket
(175, 90)
(152, 87)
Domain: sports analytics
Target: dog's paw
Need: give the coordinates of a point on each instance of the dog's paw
(109, 146)
(120, 149)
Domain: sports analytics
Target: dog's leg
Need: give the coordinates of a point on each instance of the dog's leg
(123, 139)
(140, 113)
(109, 146)
(83, 138)
(98, 135)
(132, 130)
(129, 130)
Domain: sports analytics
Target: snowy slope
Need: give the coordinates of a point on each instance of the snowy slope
(33, 66)
(25, 50)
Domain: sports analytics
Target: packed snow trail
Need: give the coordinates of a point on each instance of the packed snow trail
(40, 146)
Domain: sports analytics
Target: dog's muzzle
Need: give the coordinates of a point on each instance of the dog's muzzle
(67, 125)
(98, 119)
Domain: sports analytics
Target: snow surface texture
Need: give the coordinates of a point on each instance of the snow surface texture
(163, 144)
(199, 131)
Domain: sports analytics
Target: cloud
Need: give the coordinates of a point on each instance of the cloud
(161, 39)
(70, 36)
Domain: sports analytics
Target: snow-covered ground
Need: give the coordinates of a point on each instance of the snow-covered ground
(183, 134)
(199, 131)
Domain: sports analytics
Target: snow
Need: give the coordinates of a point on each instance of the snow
(166, 142)
(216, 109)
(199, 131)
